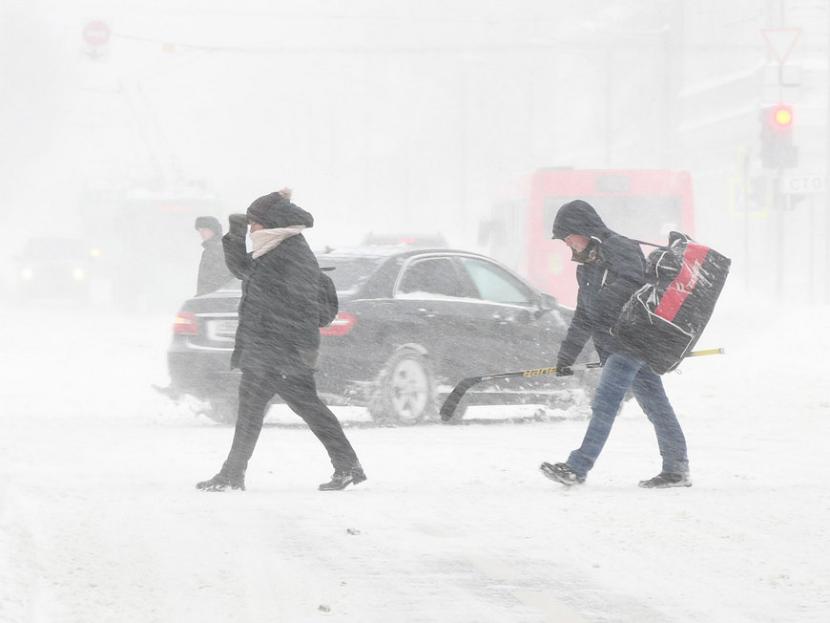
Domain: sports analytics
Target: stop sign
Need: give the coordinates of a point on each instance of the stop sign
(96, 33)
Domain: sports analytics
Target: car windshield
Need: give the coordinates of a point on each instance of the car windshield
(347, 273)
(233, 284)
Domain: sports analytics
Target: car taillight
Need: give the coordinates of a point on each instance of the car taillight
(343, 323)
(185, 324)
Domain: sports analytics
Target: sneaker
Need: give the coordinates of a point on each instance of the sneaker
(562, 473)
(664, 480)
(343, 478)
(220, 482)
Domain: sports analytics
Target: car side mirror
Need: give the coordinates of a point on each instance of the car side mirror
(547, 303)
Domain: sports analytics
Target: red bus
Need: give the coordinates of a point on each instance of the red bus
(642, 204)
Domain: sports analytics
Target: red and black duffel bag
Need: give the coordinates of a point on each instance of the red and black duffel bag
(663, 320)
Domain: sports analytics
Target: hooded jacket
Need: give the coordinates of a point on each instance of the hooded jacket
(605, 283)
(278, 321)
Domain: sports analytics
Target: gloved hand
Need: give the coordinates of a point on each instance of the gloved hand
(564, 370)
(238, 225)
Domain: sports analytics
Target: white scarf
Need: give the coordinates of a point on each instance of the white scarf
(264, 240)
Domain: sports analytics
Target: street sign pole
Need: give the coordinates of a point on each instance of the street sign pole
(811, 250)
(96, 35)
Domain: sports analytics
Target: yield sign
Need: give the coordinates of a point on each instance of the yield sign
(781, 41)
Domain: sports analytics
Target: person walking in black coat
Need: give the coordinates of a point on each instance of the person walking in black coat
(278, 337)
(213, 272)
(611, 269)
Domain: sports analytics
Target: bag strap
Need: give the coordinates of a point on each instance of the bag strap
(674, 235)
(649, 244)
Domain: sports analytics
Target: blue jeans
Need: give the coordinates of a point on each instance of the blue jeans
(620, 373)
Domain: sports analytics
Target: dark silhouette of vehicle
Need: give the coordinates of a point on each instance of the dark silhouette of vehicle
(411, 324)
(54, 268)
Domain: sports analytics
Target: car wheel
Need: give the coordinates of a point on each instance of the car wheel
(222, 410)
(405, 392)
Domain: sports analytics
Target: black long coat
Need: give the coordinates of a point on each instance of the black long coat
(278, 318)
(213, 273)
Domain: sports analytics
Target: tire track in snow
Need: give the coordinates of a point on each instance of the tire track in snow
(18, 575)
(379, 573)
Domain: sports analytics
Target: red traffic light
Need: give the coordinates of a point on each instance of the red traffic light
(777, 149)
(781, 116)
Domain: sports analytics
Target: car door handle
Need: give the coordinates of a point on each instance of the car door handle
(501, 319)
(426, 313)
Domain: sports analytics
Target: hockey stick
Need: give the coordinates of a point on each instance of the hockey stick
(455, 396)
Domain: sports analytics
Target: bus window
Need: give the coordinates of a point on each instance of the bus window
(645, 218)
(645, 204)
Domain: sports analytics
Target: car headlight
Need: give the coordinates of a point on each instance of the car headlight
(79, 274)
(27, 274)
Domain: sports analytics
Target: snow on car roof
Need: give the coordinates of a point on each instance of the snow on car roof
(386, 251)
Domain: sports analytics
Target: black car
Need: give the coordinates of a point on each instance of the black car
(413, 240)
(412, 323)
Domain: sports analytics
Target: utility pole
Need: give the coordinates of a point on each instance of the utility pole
(609, 92)
(827, 173)
(673, 44)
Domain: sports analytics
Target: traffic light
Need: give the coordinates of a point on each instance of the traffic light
(777, 149)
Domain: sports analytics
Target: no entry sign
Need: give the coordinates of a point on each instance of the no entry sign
(96, 33)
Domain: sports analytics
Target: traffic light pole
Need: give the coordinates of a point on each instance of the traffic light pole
(778, 210)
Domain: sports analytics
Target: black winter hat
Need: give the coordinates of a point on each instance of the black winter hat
(209, 222)
(274, 210)
(579, 217)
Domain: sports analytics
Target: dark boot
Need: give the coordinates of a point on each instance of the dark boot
(562, 473)
(221, 482)
(664, 480)
(343, 478)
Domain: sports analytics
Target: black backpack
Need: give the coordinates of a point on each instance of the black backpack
(328, 305)
(663, 320)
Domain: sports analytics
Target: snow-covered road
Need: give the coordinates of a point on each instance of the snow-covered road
(99, 520)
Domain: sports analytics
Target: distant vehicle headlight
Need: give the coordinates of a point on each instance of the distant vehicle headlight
(79, 274)
(27, 274)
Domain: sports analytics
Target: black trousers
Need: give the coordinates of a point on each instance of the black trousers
(299, 391)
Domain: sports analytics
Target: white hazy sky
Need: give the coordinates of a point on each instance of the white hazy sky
(405, 116)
